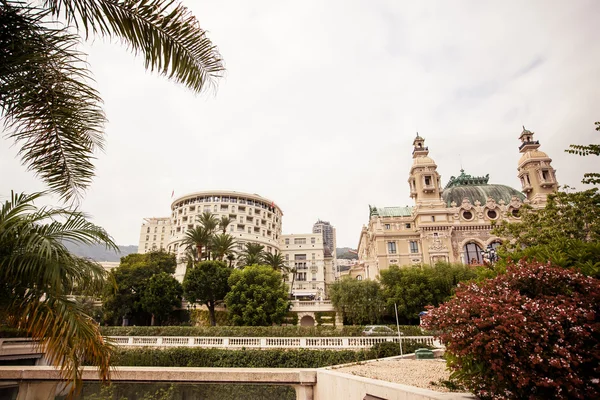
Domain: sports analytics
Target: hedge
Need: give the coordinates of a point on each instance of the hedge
(282, 358)
(249, 331)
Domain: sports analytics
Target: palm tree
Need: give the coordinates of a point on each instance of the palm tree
(208, 221)
(222, 245)
(37, 274)
(224, 222)
(252, 254)
(230, 258)
(198, 238)
(48, 105)
(275, 261)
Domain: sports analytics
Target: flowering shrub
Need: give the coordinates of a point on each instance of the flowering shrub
(532, 333)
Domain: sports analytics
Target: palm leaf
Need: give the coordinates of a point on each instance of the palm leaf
(49, 108)
(164, 31)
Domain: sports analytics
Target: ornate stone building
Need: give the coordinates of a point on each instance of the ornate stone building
(452, 223)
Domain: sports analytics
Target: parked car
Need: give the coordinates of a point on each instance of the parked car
(378, 330)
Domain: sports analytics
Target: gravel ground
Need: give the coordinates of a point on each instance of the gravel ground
(407, 372)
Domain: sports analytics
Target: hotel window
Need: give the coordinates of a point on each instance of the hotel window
(215, 208)
(148, 230)
(432, 218)
(287, 241)
(387, 226)
(427, 180)
(312, 240)
(414, 247)
(300, 241)
(147, 237)
(407, 226)
(314, 277)
(392, 247)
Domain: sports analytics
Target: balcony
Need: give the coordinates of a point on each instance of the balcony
(532, 144)
(428, 189)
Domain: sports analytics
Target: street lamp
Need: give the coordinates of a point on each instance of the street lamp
(490, 254)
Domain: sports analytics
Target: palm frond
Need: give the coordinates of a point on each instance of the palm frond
(164, 31)
(48, 107)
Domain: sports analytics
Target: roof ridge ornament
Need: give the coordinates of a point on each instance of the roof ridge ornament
(467, 180)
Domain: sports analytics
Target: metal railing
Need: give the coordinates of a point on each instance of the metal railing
(341, 343)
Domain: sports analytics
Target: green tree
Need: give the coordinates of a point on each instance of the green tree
(131, 279)
(48, 105)
(415, 287)
(592, 149)
(37, 275)
(161, 294)
(208, 221)
(207, 283)
(258, 297)
(224, 222)
(197, 239)
(222, 245)
(275, 261)
(252, 254)
(360, 302)
(566, 232)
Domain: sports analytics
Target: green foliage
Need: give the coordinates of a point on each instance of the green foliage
(161, 294)
(258, 296)
(48, 106)
(325, 317)
(592, 149)
(275, 261)
(37, 273)
(391, 349)
(360, 302)
(253, 254)
(566, 232)
(248, 331)
(222, 245)
(346, 253)
(202, 318)
(207, 283)
(131, 279)
(415, 287)
(217, 358)
(197, 240)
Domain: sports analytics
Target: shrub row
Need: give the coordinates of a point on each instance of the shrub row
(248, 331)
(199, 357)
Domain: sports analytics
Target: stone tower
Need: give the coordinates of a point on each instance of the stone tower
(424, 181)
(538, 178)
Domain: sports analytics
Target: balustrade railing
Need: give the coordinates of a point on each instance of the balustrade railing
(359, 342)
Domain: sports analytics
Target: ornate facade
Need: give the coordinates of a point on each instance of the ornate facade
(453, 223)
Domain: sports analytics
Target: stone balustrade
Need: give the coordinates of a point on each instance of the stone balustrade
(339, 343)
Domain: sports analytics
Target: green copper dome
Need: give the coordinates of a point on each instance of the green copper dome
(477, 188)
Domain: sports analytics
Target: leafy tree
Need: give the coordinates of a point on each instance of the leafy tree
(207, 283)
(531, 333)
(252, 254)
(222, 245)
(275, 261)
(258, 297)
(592, 149)
(360, 302)
(197, 239)
(224, 222)
(415, 287)
(565, 232)
(208, 221)
(37, 273)
(131, 279)
(48, 106)
(161, 294)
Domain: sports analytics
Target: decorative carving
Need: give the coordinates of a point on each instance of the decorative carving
(490, 203)
(466, 204)
(453, 204)
(436, 244)
(515, 202)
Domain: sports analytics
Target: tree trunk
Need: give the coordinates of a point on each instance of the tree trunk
(152, 320)
(199, 250)
(211, 312)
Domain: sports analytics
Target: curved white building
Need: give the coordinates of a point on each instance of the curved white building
(255, 219)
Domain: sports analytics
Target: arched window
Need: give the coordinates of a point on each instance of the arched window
(473, 254)
(359, 277)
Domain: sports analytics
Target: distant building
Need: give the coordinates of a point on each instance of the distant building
(310, 264)
(255, 219)
(154, 234)
(328, 232)
(454, 223)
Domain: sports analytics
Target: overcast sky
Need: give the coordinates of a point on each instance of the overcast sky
(322, 99)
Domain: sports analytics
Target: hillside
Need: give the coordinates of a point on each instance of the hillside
(100, 253)
(344, 252)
